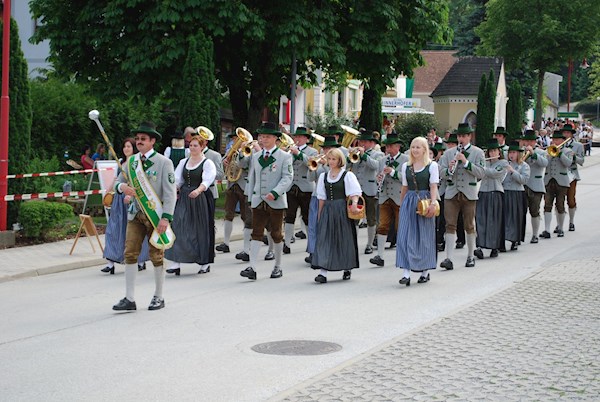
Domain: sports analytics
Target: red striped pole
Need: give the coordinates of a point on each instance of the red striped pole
(39, 196)
(4, 113)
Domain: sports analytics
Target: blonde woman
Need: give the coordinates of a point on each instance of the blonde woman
(194, 217)
(416, 248)
(336, 248)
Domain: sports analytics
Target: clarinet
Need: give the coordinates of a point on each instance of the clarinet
(381, 175)
(459, 150)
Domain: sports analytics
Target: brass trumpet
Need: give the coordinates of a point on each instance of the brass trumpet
(354, 155)
(554, 150)
(313, 163)
(286, 142)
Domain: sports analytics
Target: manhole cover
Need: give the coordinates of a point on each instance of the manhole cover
(297, 348)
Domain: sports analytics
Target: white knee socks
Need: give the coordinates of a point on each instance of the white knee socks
(288, 233)
(561, 220)
(471, 243)
(278, 250)
(547, 221)
(159, 280)
(247, 236)
(130, 274)
(371, 235)
(227, 229)
(381, 244)
(450, 242)
(535, 225)
(254, 249)
(571, 215)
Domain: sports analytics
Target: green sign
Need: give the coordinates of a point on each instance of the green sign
(569, 115)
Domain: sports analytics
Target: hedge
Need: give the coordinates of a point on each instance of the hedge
(39, 216)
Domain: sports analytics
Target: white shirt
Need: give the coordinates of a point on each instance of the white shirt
(351, 184)
(209, 172)
(434, 173)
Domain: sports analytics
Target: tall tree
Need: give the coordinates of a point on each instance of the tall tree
(543, 34)
(137, 47)
(19, 140)
(468, 14)
(485, 108)
(514, 109)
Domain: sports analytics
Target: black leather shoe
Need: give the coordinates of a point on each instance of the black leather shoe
(514, 246)
(375, 242)
(292, 240)
(369, 249)
(478, 253)
(545, 235)
(460, 244)
(447, 264)
(276, 273)
(441, 246)
(176, 271)
(142, 267)
(266, 240)
(404, 281)
(222, 247)
(423, 279)
(560, 233)
(204, 271)
(470, 262)
(248, 273)
(269, 256)
(300, 235)
(320, 279)
(156, 303)
(109, 269)
(125, 305)
(242, 255)
(556, 229)
(494, 253)
(377, 260)
(347, 275)
(308, 259)
(286, 249)
(571, 227)
(534, 239)
(362, 225)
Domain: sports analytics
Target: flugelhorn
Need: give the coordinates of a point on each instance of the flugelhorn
(313, 163)
(247, 148)
(286, 142)
(354, 155)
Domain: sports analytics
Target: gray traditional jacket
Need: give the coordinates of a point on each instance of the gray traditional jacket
(578, 158)
(366, 171)
(273, 175)
(495, 172)
(514, 181)
(464, 180)
(302, 177)
(559, 168)
(216, 158)
(537, 166)
(392, 183)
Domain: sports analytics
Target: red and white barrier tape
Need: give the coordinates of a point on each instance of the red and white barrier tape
(20, 176)
(35, 196)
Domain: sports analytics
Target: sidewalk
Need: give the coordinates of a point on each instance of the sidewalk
(49, 258)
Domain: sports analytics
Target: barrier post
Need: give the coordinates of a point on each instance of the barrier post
(4, 114)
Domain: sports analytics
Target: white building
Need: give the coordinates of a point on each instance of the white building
(37, 54)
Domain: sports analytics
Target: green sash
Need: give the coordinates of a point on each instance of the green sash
(149, 202)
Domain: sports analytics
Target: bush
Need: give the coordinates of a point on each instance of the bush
(414, 125)
(587, 107)
(39, 216)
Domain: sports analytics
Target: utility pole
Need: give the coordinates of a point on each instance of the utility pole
(4, 113)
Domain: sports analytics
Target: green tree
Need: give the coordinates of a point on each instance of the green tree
(514, 108)
(486, 108)
(466, 15)
(19, 136)
(413, 125)
(540, 34)
(137, 47)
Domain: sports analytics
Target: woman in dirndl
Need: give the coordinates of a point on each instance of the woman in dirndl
(337, 247)
(116, 227)
(194, 216)
(515, 200)
(416, 247)
(489, 213)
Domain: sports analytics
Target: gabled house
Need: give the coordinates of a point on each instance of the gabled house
(455, 97)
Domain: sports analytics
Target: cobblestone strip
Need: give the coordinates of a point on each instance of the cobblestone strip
(538, 340)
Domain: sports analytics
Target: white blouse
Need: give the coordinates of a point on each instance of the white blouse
(434, 173)
(209, 172)
(351, 184)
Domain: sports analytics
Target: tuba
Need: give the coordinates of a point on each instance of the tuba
(318, 141)
(350, 134)
(233, 171)
(205, 133)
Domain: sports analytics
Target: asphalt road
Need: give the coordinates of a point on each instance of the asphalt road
(60, 340)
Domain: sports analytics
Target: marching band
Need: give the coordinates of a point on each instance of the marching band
(271, 175)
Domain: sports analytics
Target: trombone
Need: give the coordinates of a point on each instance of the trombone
(554, 150)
